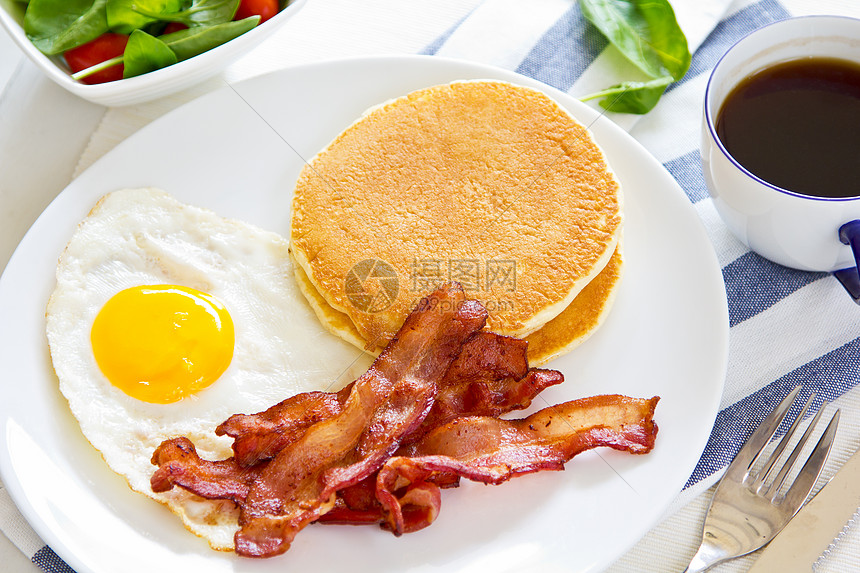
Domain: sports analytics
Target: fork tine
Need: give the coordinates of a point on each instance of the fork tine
(789, 463)
(805, 480)
(739, 519)
(759, 484)
(753, 447)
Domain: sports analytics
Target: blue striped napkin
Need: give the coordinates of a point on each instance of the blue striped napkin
(787, 327)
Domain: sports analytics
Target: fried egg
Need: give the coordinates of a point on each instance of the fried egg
(167, 319)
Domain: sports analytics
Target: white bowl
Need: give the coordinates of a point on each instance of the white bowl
(152, 85)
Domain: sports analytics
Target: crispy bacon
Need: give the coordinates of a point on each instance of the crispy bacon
(490, 377)
(418, 505)
(423, 416)
(491, 450)
(261, 436)
(385, 403)
(356, 505)
(179, 464)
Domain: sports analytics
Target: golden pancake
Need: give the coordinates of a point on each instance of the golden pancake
(579, 320)
(557, 337)
(336, 322)
(483, 182)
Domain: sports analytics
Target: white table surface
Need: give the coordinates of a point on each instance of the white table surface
(57, 125)
(12, 226)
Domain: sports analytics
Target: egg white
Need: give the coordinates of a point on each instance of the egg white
(144, 236)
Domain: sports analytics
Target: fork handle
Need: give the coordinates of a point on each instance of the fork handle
(706, 557)
(697, 565)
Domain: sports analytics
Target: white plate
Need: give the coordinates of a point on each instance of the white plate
(667, 335)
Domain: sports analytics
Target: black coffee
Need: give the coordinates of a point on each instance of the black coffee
(797, 126)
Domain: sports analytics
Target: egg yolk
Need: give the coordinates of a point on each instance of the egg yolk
(164, 342)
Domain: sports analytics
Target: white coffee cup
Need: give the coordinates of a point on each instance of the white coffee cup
(791, 229)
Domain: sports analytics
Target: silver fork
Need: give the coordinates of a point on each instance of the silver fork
(748, 510)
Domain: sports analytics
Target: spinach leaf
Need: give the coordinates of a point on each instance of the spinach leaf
(55, 26)
(199, 13)
(196, 40)
(632, 97)
(126, 16)
(648, 34)
(145, 53)
(645, 31)
(209, 12)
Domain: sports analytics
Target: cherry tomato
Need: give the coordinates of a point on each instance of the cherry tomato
(103, 48)
(264, 8)
(174, 27)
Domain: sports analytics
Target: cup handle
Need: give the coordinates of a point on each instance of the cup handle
(849, 233)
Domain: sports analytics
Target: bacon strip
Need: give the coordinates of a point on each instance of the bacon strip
(296, 487)
(261, 436)
(489, 378)
(179, 464)
(491, 450)
(356, 505)
(419, 505)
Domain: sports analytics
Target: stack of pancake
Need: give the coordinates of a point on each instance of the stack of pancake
(487, 183)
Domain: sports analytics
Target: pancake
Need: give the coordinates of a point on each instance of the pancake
(581, 318)
(484, 182)
(336, 322)
(572, 327)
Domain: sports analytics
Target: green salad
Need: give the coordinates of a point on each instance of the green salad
(107, 40)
